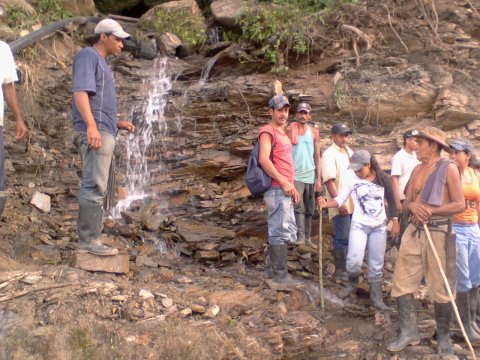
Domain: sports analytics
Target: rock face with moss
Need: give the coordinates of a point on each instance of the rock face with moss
(182, 18)
(229, 12)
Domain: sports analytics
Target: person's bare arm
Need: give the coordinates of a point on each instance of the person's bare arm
(12, 102)
(267, 165)
(396, 191)
(317, 160)
(83, 105)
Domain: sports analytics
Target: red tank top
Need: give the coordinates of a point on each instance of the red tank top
(282, 153)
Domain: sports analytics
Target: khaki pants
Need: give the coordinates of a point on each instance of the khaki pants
(416, 260)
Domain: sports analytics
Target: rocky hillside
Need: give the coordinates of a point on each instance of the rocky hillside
(194, 246)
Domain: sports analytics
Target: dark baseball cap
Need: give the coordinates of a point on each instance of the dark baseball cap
(461, 145)
(340, 129)
(278, 102)
(358, 159)
(304, 107)
(410, 133)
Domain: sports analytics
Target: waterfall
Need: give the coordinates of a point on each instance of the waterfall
(150, 129)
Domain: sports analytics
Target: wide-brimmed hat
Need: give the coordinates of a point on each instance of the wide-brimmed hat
(461, 145)
(359, 158)
(434, 134)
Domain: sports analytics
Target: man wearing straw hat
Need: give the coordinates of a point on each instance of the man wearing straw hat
(434, 194)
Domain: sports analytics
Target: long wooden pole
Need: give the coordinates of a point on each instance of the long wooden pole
(320, 258)
(447, 285)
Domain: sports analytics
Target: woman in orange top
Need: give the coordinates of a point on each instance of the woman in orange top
(466, 227)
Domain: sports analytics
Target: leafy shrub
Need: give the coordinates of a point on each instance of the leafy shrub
(189, 28)
(284, 26)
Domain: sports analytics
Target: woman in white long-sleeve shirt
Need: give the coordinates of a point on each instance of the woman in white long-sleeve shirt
(370, 187)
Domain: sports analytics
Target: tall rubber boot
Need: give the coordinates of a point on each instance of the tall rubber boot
(300, 221)
(268, 272)
(473, 302)
(352, 286)
(463, 305)
(443, 316)
(308, 230)
(376, 295)
(340, 257)
(89, 226)
(278, 257)
(407, 318)
(3, 200)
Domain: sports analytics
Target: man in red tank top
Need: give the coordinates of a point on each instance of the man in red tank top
(276, 159)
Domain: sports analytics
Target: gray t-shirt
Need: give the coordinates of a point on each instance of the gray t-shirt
(92, 75)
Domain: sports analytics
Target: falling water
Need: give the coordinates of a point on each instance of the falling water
(152, 124)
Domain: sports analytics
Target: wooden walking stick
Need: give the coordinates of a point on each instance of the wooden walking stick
(447, 285)
(320, 257)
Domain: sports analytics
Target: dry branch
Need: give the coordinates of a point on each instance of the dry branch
(393, 29)
(26, 292)
(360, 34)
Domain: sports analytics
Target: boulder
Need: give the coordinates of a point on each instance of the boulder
(454, 108)
(22, 4)
(167, 43)
(229, 12)
(80, 7)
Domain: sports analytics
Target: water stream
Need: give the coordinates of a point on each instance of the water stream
(151, 128)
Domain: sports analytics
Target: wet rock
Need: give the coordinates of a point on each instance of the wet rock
(168, 43)
(111, 264)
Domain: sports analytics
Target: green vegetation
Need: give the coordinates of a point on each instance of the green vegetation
(47, 11)
(189, 28)
(280, 27)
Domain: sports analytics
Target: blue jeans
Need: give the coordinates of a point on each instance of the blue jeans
(468, 256)
(95, 167)
(374, 239)
(341, 229)
(281, 219)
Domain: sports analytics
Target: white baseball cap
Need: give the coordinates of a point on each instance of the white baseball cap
(109, 26)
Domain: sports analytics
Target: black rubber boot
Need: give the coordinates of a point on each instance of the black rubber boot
(473, 302)
(340, 257)
(407, 318)
(300, 221)
(89, 227)
(268, 272)
(3, 200)
(278, 257)
(308, 230)
(463, 305)
(443, 316)
(352, 286)
(376, 295)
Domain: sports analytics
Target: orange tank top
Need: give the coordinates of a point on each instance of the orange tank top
(471, 191)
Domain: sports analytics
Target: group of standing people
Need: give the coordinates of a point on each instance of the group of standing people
(424, 188)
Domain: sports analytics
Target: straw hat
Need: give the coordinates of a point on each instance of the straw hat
(434, 134)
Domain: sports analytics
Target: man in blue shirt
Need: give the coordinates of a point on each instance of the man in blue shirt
(307, 163)
(95, 124)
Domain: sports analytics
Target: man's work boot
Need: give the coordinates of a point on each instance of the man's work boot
(352, 286)
(278, 257)
(300, 221)
(340, 257)
(463, 305)
(308, 231)
(407, 318)
(443, 316)
(473, 302)
(89, 227)
(268, 272)
(376, 295)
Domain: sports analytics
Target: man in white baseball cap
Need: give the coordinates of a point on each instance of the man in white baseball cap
(109, 26)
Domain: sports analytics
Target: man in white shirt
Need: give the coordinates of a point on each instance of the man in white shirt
(8, 75)
(403, 163)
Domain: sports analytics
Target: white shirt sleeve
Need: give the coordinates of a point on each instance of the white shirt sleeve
(8, 64)
(345, 192)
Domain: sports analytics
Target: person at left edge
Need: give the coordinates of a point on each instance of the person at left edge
(95, 125)
(8, 76)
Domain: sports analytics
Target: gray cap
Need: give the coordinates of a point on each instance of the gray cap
(110, 26)
(409, 134)
(358, 159)
(304, 107)
(461, 145)
(278, 102)
(340, 129)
